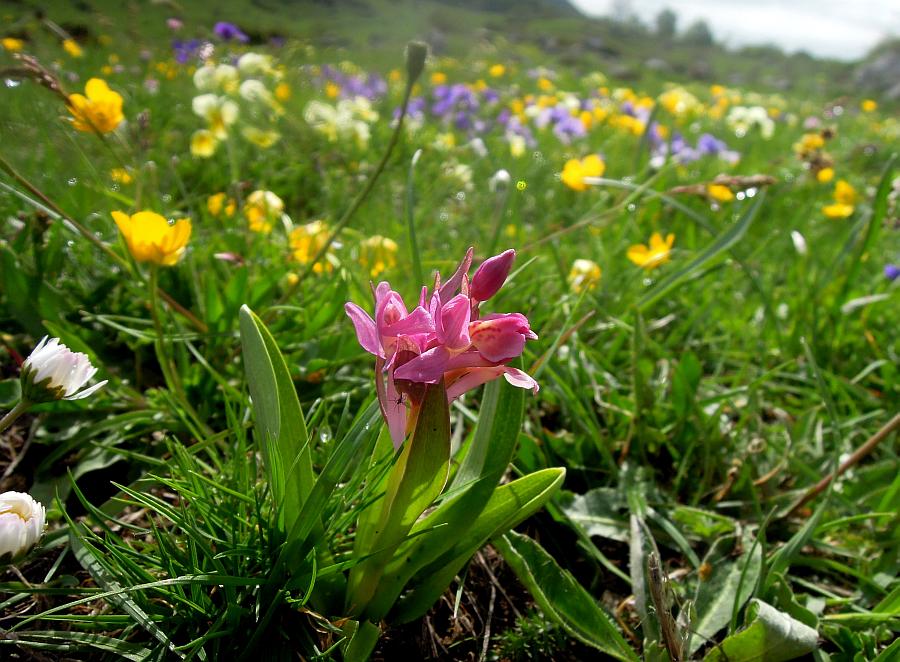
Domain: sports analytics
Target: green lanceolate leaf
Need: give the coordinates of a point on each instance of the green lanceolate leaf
(728, 587)
(772, 636)
(561, 597)
(281, 430)
(488, 456)
(414, 482)
(508, 505)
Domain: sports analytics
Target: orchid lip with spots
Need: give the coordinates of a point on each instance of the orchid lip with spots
(443, 338)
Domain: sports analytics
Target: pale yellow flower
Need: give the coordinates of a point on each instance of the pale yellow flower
(203, 143)
(262, 209)
(306, 242)
(378, 254)
(584, 275)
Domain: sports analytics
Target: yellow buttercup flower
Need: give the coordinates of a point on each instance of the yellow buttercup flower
(497, 70)
(120, 176)
(438, 78)
(72, 48)
(306, 242)
(655, 255)
(150, 238)
(220, 203)
(719, 192)
(869, 105)
(262, 209)
(825, 175)
(584, 275)
(575, 170)
(844, 193)
(332, 90)
(809, 142)
(100, 110)
(12, 44)
(282, 91)
(837, 210)
(378, 254)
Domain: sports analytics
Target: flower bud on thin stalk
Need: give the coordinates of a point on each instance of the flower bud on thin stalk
(52, 372)
(22, 521)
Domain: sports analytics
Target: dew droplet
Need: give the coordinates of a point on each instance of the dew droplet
(72, 181)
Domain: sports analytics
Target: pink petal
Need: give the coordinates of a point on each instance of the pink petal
(426, 368)
(394, 411)
(497, 339)
(419, 321)
(449, 288)
(454, 316)
(478, 376)
(366, 332)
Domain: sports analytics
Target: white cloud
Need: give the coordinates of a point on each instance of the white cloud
(830, 28)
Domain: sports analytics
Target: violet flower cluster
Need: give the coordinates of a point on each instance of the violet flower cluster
(443, 338)
(681, 151)
(370, 85)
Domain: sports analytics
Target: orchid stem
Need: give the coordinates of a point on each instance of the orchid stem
(411, 218)
(14, 413)
(355, 205)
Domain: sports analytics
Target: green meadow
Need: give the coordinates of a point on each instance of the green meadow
(678, 441)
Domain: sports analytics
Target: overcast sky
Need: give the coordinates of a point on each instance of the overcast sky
(844, 29)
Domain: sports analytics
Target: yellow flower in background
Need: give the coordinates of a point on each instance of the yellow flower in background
(307, 240)
(260, 137)
(844, 193)
(378, 254)
(497, 70)
(438, 78)
(262, 209)
(98, 109)
(220, 203)
(72, 48)
(282, 91)
(120, 176)
(655, 255)
(837, 210)
(719, 192)
(203, 143)
(219, 112)
(575, 170)
(332, 90)
(678, 101)
(150, 238)
(12, 44)
(584, 275)
(869, 105)
(395, 76)
(810, 142)
(825, 175)
(545, 84)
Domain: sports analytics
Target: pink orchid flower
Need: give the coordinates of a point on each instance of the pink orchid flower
(443, 338)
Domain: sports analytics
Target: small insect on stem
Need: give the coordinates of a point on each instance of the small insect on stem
(657, 581)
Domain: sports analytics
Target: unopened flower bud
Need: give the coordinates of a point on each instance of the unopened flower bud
(799, 242)
(491, 275)
(21, 525)
(416, 52)
(54, 372)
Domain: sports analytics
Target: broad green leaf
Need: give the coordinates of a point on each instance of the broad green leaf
(413, 484)
(499, 421)
(730, 585)
(508, 505)
(561, 597)
(772, 636)
(494, 441)
(361, 639)
(600, 513)
(281, 430)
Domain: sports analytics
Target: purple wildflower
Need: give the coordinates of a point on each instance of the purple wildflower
(892, 272)
(229, 31)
